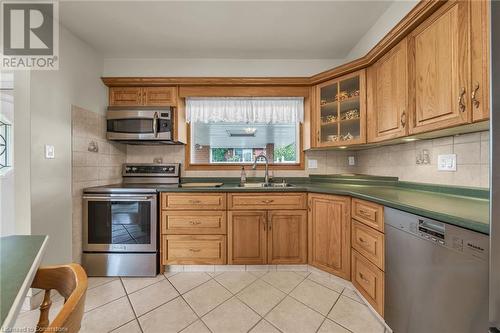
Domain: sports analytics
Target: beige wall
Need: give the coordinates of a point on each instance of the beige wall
(52, 93)
(91, 168)
(472, 152)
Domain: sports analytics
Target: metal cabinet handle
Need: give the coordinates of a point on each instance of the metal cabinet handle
(461, 104)
(155, 124)
(194, 201)
(195, 250)
(270, 226)
(317, 136)
(267, 201)
(475, 101)
(403, 119)
(194, 222)
(362, 240)
(363, 277)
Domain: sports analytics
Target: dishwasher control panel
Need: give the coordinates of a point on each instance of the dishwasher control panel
(442, 234)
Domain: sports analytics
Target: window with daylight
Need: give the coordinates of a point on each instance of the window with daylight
(235, 131)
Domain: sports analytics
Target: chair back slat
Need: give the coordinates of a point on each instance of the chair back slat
(71, 282)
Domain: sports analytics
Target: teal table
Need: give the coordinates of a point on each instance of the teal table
(20, 257)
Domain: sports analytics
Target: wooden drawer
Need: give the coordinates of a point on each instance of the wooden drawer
(266, 201)
(199, 250)
(368, 213)
(368, 242)
(193, 222)
(369, 280)
(193, 201)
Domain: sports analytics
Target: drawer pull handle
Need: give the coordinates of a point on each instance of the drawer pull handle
(461, 104)
(194, 250)
(364, 212)
(267, 201)
(363, 277)
(194, 222)
(362, 240)
(194, 201)
(475, 101)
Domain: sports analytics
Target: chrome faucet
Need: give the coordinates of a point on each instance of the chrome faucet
(266, 175)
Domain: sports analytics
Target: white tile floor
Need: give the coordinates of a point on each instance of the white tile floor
(226, 302)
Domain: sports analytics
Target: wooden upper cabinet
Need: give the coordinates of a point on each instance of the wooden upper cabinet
(340, 111)
(125, 96)
(142, 96)
(160, 96)
(287, 237)
(439, 69)
(247, 233)
(480, 59)
(387, 95)
(330, 234)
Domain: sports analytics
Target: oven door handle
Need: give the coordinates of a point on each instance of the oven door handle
(119, 198)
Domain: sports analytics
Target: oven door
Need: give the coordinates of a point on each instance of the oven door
(148, 125)
(119, 223)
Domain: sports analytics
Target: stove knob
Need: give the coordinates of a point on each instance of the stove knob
(127, 169)
(134, 169)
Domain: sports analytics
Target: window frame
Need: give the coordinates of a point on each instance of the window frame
(236, 166)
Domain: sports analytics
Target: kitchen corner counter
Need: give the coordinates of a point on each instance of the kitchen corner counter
(460, 206)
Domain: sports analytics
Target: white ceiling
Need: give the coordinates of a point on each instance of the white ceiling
(222, 29)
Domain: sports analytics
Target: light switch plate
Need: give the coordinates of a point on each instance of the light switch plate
(447, 162)
(312, 164)
(50, 152)
(351, 160)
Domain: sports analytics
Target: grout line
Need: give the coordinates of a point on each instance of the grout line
(128, 322)
(182, 297)
(211, 278)
(331, 308)
(149, 285)
(130, 302)
(104, 283)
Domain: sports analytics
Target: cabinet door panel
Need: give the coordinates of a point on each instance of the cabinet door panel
(439, 72)
(387, 95)
(247, 232)
(480, 59)
(125, 96)
(287, 237)
(330, 234)
(160, 96)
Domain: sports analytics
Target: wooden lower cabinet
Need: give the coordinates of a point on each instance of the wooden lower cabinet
(369, 280)
(330, 233)
(287, 237)
(194, 249)
(247, 231)
(267, 237)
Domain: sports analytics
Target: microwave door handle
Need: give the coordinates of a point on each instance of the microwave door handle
(92, 198)
(155, 124)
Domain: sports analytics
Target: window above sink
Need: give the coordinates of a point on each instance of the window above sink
(230, 132)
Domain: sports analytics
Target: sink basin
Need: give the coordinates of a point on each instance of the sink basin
(257, 185)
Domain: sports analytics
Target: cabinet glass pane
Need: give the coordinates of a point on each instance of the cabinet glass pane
(350, 128)
(329, 113)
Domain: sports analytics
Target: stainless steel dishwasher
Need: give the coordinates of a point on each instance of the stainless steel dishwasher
(436, 276)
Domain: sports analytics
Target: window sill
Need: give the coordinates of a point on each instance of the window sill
(229, 166)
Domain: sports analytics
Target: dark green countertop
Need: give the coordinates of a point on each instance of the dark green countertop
(20, 257)
(460, 206)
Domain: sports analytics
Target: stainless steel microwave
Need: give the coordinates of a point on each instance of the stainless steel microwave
(144, 126)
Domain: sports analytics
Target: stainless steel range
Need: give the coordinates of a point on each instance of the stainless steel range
(120, 222)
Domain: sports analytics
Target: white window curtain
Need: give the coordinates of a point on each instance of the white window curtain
(245, 110)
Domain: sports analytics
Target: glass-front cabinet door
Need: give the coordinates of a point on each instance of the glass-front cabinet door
(341, 118)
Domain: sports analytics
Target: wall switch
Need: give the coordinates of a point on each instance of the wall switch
(447, 162)
(50, 152)
(312, 164)
(351, 160)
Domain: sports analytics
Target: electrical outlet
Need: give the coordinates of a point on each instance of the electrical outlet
(351, 160)
(312, 164)
(50, 152)
(447, 162)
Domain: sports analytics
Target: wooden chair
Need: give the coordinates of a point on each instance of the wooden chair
(71, 282)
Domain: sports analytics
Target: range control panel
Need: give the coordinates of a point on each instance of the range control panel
(151, 170)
